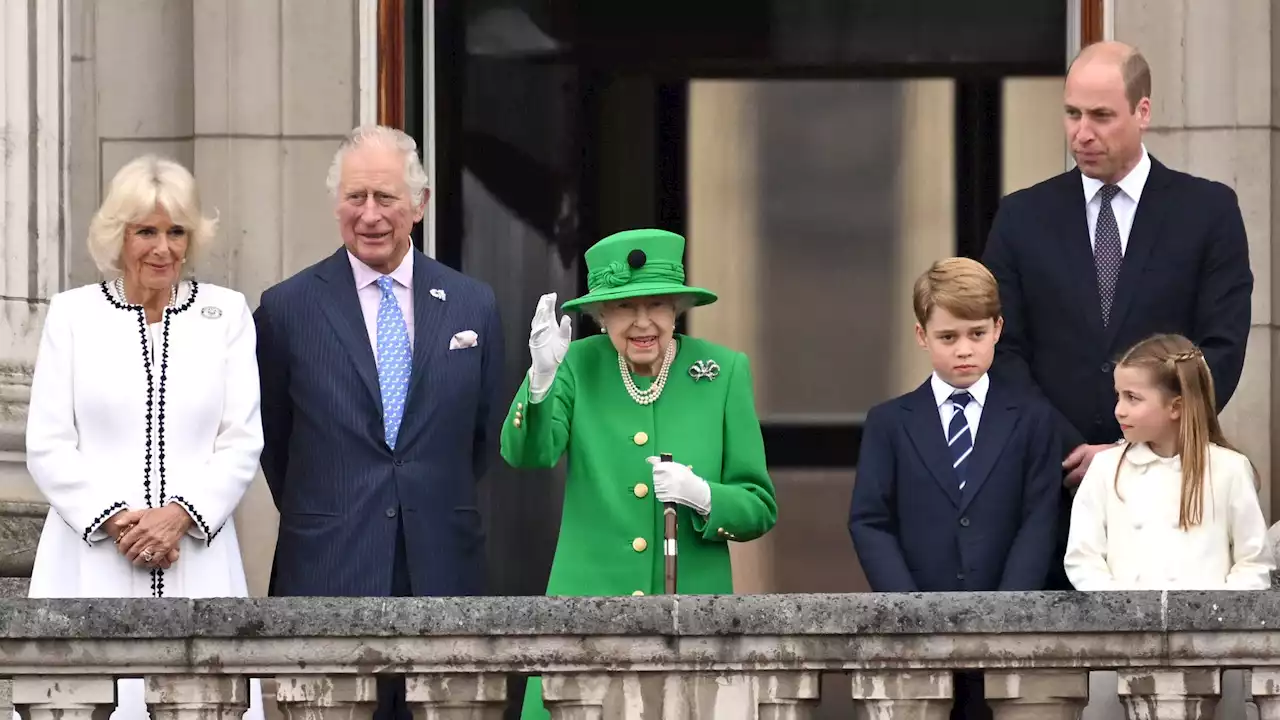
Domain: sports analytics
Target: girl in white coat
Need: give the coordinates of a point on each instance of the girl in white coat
(144, 428)
(1173, 507)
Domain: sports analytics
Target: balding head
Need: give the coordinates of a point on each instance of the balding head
(1108, 108)
(1134, 71)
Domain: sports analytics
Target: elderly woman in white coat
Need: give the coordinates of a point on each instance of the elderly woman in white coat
(144, 430)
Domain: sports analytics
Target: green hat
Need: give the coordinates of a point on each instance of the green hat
(637, 263)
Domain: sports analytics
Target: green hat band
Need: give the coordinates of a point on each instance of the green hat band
(616, 274)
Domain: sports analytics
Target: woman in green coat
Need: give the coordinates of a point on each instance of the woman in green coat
(614, 403)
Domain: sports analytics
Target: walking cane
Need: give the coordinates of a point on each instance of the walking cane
(669, 540)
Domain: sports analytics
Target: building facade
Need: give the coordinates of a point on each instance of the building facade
(814, 179)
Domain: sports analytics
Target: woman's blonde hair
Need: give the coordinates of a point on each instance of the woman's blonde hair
(136, 190)
(1178, 368)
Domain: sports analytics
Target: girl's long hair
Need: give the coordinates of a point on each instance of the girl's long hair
(1178, 368)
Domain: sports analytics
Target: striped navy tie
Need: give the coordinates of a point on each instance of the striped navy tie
(959, 438)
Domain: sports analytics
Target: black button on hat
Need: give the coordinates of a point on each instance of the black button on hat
(636, 259)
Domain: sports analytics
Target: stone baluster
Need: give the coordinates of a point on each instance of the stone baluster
(902, 694)
(1036, 694)
(327, 697)
(575, 696)
(457, 696)
(64, 697)
(197, 697)
(1265, 686)
(1170, 693)
(787, 695)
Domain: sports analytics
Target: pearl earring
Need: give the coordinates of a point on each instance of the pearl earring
(603, 330)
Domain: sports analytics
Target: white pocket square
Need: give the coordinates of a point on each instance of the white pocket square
(463, 340)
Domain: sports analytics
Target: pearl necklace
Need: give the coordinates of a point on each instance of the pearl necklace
(649, 396)
(119, 286)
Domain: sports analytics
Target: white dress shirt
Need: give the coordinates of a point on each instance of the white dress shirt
(1125, 203)
(371, 295)
(1128, 538)
(942, 393)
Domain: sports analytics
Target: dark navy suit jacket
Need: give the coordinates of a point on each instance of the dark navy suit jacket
(913, 528)
(1185, 270)
(343, 495)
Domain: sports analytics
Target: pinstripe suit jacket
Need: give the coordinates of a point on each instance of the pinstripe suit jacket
(339, 488)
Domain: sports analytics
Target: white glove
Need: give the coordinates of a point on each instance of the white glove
(673, 482)
(547, 345)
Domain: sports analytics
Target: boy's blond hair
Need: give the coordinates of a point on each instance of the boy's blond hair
(963, 287)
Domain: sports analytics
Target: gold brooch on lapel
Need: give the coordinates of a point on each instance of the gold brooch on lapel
(704, 369)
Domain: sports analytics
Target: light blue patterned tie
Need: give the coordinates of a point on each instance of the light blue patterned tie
(394, 360)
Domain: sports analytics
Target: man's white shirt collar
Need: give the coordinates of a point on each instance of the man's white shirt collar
(1130, 185)
(365, 275)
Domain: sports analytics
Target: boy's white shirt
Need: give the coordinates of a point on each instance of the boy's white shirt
(942, 392)
(1131, 540)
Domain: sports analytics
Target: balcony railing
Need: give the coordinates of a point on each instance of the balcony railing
(731, 657)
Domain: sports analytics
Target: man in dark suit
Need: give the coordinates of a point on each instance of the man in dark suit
(1117, 249)
(957, 482)
(379, 368)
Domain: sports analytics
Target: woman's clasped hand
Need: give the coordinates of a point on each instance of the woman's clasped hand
(149, 537)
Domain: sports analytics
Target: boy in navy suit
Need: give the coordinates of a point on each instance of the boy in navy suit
(958, 481)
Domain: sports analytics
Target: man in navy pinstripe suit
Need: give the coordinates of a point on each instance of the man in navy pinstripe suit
(379, 370)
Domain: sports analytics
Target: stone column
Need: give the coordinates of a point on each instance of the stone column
(1170, 694)
(1265, 687)
(575, 696)
(1037, 694)
(458, 696)
(902, 694)
(327, 697)
(64, 697)
(197, 697)
(1214, 115)
(33, 197)
(787, 695)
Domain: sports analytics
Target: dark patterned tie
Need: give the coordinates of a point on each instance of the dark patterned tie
(959, 437)
(1107, 255)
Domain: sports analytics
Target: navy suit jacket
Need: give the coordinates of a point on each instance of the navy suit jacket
(1185, 270)
(913, 528)
(342, 493)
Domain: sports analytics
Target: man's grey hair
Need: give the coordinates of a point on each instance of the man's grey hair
(415, 176)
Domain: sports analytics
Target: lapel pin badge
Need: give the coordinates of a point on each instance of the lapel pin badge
(704, 369)
(437, 293)
(211, 312)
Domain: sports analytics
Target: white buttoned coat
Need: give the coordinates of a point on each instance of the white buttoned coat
(1131, 540)
(129, 415)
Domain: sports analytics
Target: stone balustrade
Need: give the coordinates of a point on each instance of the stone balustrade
(684, 657)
